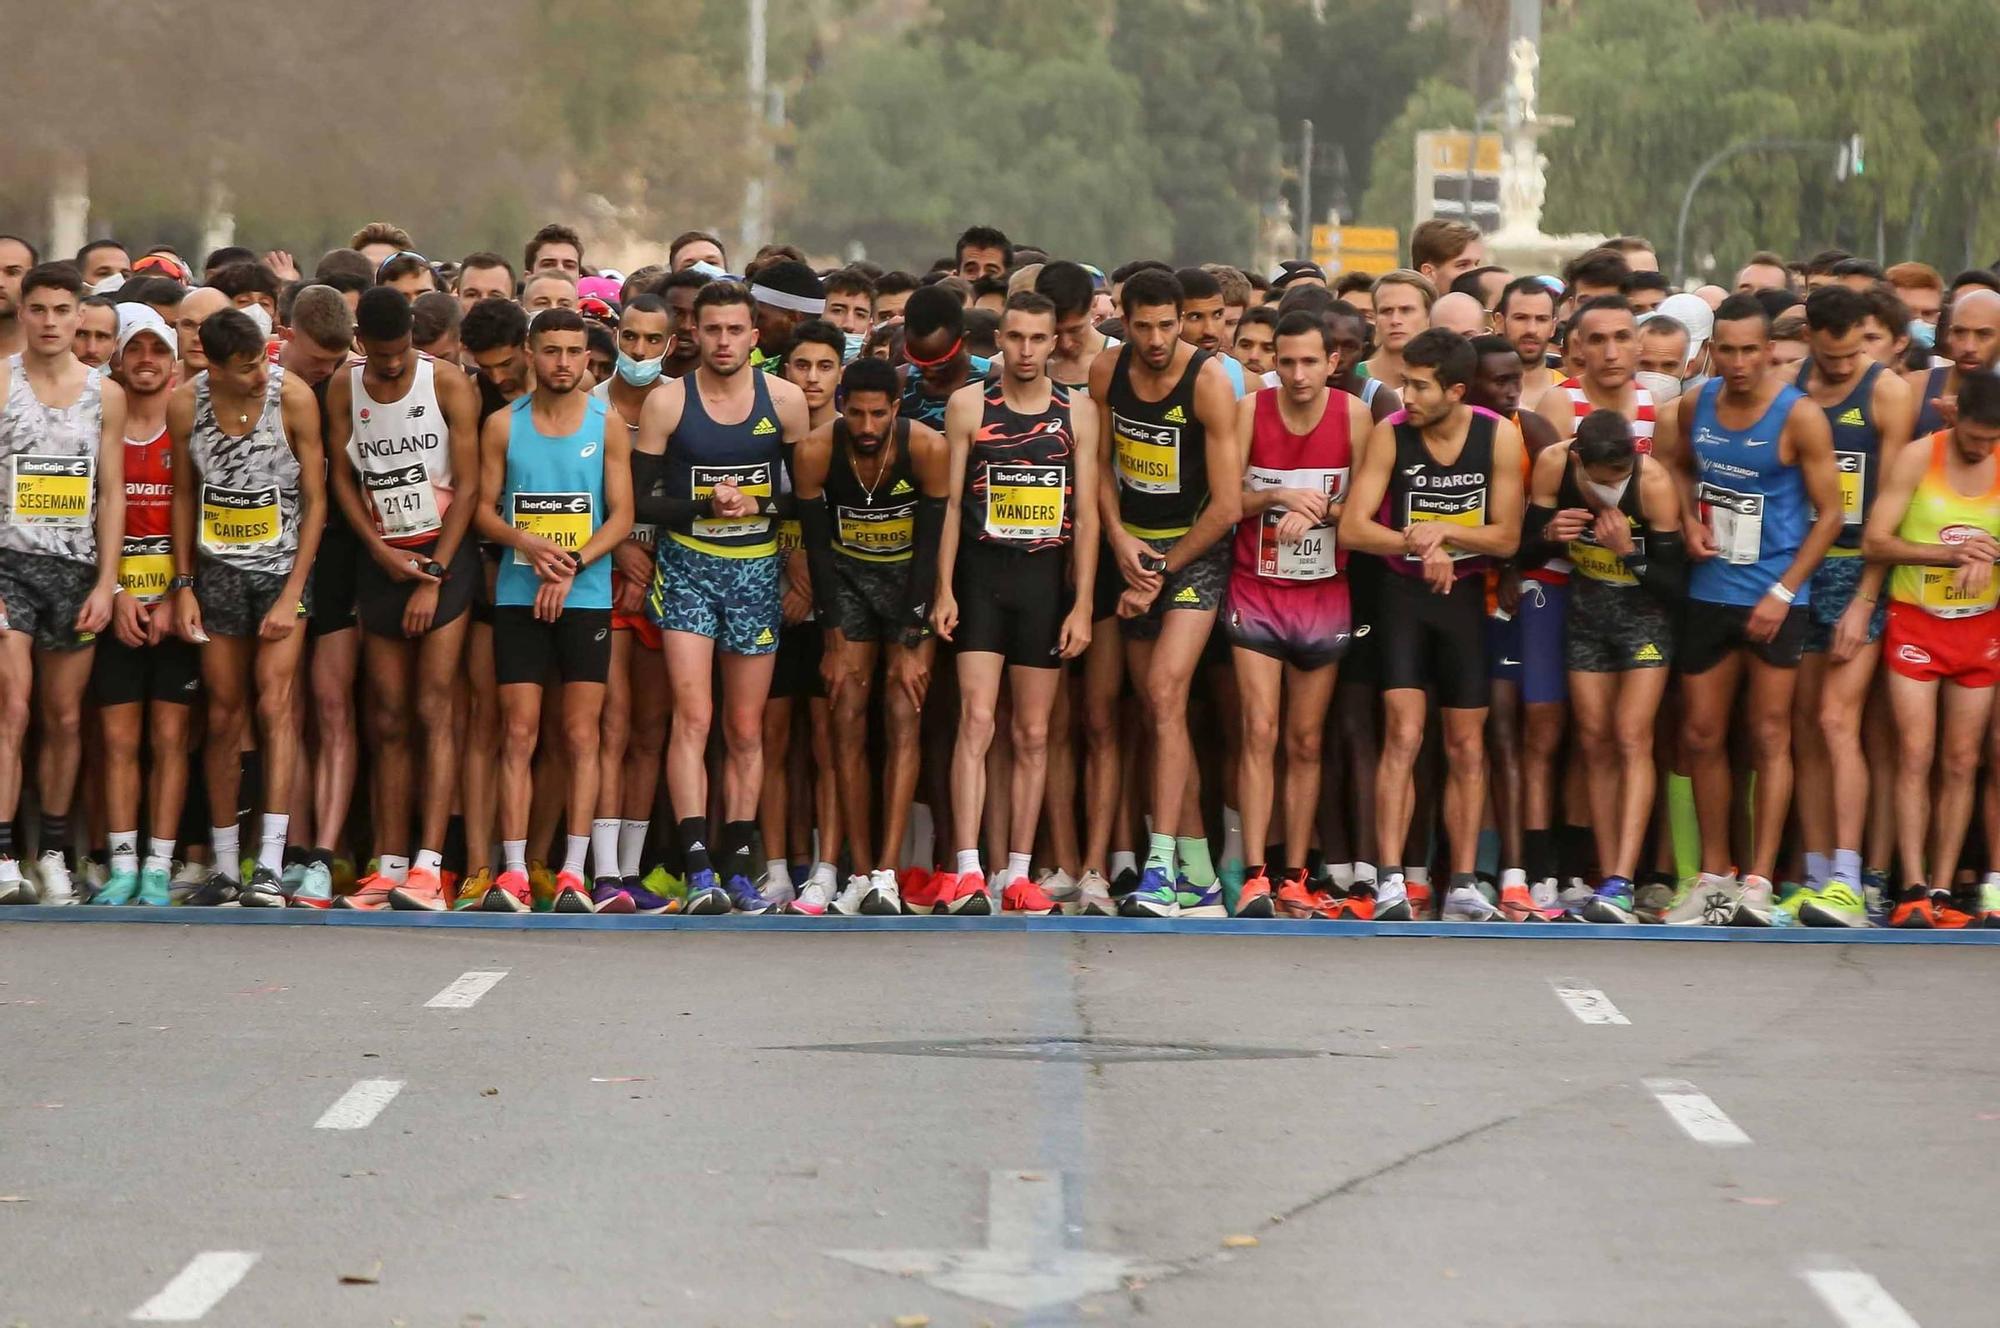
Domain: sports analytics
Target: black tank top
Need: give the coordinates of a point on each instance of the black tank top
(1420, 489)
(702, 453)
(1020, 472)
(1159, 452)
(1928, 419)
(1857, 444)
(1589, 558)
(875, 525)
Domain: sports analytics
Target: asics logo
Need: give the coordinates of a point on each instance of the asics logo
(589, 450)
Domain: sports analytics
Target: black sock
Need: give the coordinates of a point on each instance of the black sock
(738, 837)
(6, 838)
(1538, 854)
(454, 845)
(296, 856)
(1579, 852)
(1252, 872)
(694, 844)
(55, 833)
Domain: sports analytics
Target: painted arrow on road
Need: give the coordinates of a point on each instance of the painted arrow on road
(1029, 1262)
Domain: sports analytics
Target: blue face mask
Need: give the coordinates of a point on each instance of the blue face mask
(1924, 334)
(852, 351)
(639, 373)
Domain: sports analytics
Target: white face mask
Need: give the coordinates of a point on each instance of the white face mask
(1607, 495)
(1663, 387)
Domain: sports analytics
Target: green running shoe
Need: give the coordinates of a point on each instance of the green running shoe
(156, 887)
(119, 888)
(1835, 904)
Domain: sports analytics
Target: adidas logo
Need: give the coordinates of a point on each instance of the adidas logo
(1176, 416)
(764, 638)
(1853, 416)
(1187, 595)
(1647, 654)
(764, 426)
(902, 486)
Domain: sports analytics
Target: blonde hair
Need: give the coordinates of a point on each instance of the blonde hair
(1404, 276)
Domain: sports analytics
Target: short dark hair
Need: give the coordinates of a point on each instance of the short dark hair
(982, 333)
(869, 374)
(83, 254)
(1350, 282)
(59, 275)
(1836, 309)
(1491, 343)
(434, 314)
(718, 294)
(1525, 286)
(99, 302)
(230, 334)
(1644, 279)
(34, 254)
(1743, 308)
(931, 310)
(1124, 272)
(149, 289)
(1025, 254)
(555, 318)
(1822, 263)
(227, 255)
(493, 323)
(1599, 304)
(685, 279)
(1604, 438)
(1979, 398)
(338, 267)
(1468, 283)
(383, 314)
(553, 233)
(1856, 267)
(1884, 304)
(1597, 267)
(989, 286)
(645, 304)
(983, 237)
(1263, 315)
(1031, 302)
(897, 282)
(686, 238)
(247, 278)
(1306, 298)
(1197, 284)
(1975, 276)
(1299, 323)
(598, 339)
(485, 258)
(402, 265)
(1149, 288)
(818, 332)
(1776, 302)
(849, 281)
(1447, 352)
(1069, 285)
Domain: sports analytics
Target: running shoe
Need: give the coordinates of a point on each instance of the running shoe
(315, 889)
(1093, 896)
(1709, 901)
(1836, 904)
(1570, 899)
(18, 891)
(1951, 915)
(1391, 901)
(370, 894)
(918, 887)
(291, 878)
(644, 898)
(421, 892)
(884, 899)
(52, 870)
(1296, 898)
(187, 875)
(705, 895)
(1022, 895)
(119, 888)
(1652, 899)
(572, 895)
(1198, 901)
(1989, 904)
(810, 900)
(510, 893)
(667, 886)
(1058, 885)
(1124, 883)
(1517, 904)
(472, 889)
(215, 891)
(92, 874)
(1612, 903)
(1755, 906)
(848, 902)
(1359, 904)
(261, 890)
(607, 895)
(156, 887)
(1875, 890)
(1253, 900)
(1469, 902)
(1421, 903)
(776, 887)
(743, 897)
(1153, 897)
(1547, 898)
(344, 876)
(968, 896)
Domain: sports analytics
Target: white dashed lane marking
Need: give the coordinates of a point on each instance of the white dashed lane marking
(1588, 1004)
(1855, 1298)
(1696, 1113)
(197, 1288)
(358, 1107)
(464, 993)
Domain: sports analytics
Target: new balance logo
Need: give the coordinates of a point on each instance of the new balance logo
(1853, 416)
(1175, 416)
(1187, 595)
(416, 411)
(764, 427)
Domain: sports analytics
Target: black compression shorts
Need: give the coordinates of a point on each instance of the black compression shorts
(1434, 641)
(577, 644)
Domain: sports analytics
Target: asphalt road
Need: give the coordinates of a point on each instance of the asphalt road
(217, 1124)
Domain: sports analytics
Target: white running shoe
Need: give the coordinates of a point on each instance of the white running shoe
(1468, 903)
(775, 885)
(52, 872)
(848, 904)
(18, 890)
(884, 898)
(1755, 905)
(1060, 886)
(811, 901)
(1093, 896)
(1548, 900)
(1711, 901)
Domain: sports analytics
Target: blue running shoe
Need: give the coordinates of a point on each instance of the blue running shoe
(744, 896)
(643, 899)
(315, 887)
(156, 887)
(1611, 902)
(1154, 897)
(121, 887)
(1201, 901)
(705, 895)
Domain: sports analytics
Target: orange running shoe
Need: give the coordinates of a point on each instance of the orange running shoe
(510, 894)
(371, 893)
(1022, 895)
(572, 894)
(964, 893)
(1420, 901)
(423, 892)
(1517, 905)
(919, 888)
(1358, 906)
(1254, 899)
(1295, 898)
(1950, 914)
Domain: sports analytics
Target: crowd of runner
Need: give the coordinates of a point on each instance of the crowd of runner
(1011, 587)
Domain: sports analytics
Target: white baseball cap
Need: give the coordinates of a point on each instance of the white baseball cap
(135, 318)
(1691, 312)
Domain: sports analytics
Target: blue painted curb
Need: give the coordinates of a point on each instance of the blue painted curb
(1511, 931)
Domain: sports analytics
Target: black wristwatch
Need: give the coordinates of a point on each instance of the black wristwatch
(434, 569)
(181, 581)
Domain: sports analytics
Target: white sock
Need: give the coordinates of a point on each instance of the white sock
(228, 850)
(1512, 877)
(271, 853)
(777, 869)
(514, 854)
(826, 874)
(430, 860)
(604, 853)
(124, 851)
(10, 870)
(573, 855)
(1418, 875)
(631, 847)
(1124, 860)
(968, 861)
(159, 851)
(393, 868)
(1232, 835)
(1364, 873)
(1341, 874)
(1018, 864)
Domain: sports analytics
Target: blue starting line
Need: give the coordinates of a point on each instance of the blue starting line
(1005, 923)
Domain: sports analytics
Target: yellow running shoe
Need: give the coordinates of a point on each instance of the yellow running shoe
(472, 889)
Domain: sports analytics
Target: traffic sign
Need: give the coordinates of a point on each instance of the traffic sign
(1445, 186)
(1370, 249)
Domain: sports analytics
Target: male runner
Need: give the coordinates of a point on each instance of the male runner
(144, 678)
(1205, 322)
(550, 288)
(1022, 488)
(1170, 415)
(1971, 343)
(1755, 461)
(555, 247)
(1257, 341)
(1764, 271)
(1403, 302)
(1290, 619)
(101, 260)
(724, 434)
(403, 429)
(1443, 250)
(934, 344)
(195, 308)
(872, 491)
(96, 331)
(1937, 521)
(1615, 511)
(787, 294)
(1527, 314)
(62, 517)
(483, 276)
(982, 251)
(693, 247)
(1870, 413)
(556, 492)
(1450, 477)
(249, 507)
(850, 306)
(677, 290)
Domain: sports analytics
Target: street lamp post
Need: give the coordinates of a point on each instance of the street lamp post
(1733, 150)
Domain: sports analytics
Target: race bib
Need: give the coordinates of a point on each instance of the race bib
(404, 501)
(565, 519)
(1602, 564)
(1024, 503)
(885, 532)
(791, 537)
(1149, 455)
(145, 565)
(1939, 596)
(1735, 523)
(238, 518)
(1853, 468)
(1465, 510)
(644, 532)
(1311, 559)
(754, 480)
(54, 490)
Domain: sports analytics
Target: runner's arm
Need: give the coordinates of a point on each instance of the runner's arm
(1084, 543)
(1812, 444)
(1359, 530)
(347, 494)
(1544, 489)
(459, 400)
(110, 486)
(930, 457)
(185, 514)
(1880, 542)
(486, 518)
(617, 499)
(961, 417)
(302, 431)
(1501, 535)
(809, 466)
(1559, 411)
(1663, 569)
(1895, 414)
(1215, 407)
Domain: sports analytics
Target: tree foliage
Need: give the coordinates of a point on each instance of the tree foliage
(1391, 197)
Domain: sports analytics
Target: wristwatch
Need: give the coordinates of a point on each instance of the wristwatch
(181, 581)
(434, 569)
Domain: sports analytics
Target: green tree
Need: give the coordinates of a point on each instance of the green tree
(1391, 197)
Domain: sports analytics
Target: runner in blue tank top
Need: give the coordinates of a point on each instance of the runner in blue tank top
(555, 494)
(1756, 457)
